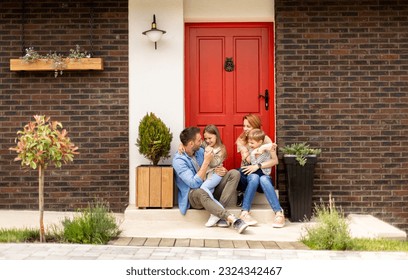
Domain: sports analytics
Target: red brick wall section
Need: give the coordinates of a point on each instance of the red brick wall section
(92, 105)
(342, 86)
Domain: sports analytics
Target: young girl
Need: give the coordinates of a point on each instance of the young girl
(213, 143)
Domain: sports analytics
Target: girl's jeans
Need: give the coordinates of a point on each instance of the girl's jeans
(210, 184)
(252, 182)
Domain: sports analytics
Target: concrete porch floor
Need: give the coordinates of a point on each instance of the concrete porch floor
(170, 224)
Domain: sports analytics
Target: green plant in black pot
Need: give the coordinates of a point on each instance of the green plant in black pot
(301, 151)
(300, 161)
(154, 138)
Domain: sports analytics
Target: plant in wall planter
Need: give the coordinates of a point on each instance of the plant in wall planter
(40, 143)
(154, 183)
(300, 161)
(76, 60)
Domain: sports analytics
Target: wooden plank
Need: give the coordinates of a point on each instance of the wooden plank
(137, 241)
(285, 245)
(299, 246)
(211, 243)
(48, 65)
(155, 186)
(270, 245)
(153, 242)
(226, 244)
(122, 241)
(167, 187)
(182, 242)
(142, 186)
(241, 244)
(167, 242)
(197, 243)
(255, 244)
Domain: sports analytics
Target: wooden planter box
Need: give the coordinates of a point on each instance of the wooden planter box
(48, 65)
(154, 186)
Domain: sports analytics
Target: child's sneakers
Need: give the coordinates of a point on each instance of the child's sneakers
(212, 221)
(279, 220)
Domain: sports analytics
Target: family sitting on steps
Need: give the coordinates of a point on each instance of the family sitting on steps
(203, 182)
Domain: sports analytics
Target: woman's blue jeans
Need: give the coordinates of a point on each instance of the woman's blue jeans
(252, 182)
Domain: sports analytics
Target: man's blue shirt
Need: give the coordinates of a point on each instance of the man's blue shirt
(186, 177)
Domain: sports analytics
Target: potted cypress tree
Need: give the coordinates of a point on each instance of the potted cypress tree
(154, 182)
(300, 161)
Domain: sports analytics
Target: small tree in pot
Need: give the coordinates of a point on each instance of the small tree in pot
(154, 183)
(154, 139)
(40, 143)
(300, 161)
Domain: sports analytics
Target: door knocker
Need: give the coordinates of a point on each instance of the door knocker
(229, 64)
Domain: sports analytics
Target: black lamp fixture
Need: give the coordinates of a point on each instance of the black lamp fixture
(154, 34)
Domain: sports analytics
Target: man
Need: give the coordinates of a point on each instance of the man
(190, 169)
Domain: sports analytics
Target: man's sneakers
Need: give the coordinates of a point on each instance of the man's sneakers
(223, 223)
(239, 225)
(212, 221)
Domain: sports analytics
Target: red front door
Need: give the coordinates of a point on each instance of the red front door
(220, 94)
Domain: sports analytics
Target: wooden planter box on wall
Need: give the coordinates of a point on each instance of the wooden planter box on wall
(154, 186)
(48, 65)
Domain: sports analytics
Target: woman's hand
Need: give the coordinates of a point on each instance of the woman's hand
(181, 149)
(249, 169)
(221, 171)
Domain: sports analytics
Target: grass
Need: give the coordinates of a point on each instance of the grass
(19, 235)
(365, 244)
(93, 225)
(331, 232)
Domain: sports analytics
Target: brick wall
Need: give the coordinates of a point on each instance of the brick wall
(342, 86)
(92, 105)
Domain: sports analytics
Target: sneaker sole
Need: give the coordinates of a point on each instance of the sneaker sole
(277, 226)
(207, 224)
(243, 228)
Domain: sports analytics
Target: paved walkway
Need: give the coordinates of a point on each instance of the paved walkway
(49, 251)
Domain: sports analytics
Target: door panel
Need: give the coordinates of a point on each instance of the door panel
(216, 96)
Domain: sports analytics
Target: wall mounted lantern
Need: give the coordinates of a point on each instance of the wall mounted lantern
(154, 34)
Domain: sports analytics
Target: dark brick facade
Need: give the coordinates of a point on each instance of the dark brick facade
(342, 86)
(92, 105)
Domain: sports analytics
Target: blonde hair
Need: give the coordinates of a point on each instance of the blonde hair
(257, 135)
(212, 129)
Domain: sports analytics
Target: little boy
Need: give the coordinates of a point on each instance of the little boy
(260, 154)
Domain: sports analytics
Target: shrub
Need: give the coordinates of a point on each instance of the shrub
(154, 138)
(301, 151)
(330, 231)
(95, 225)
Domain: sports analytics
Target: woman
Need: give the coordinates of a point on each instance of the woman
(250, 181)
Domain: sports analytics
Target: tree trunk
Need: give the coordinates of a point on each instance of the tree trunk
(41, 201)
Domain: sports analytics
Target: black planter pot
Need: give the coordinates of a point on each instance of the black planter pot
(299, 181)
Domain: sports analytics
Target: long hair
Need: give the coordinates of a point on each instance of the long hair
(212, 129)
(254, 121)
